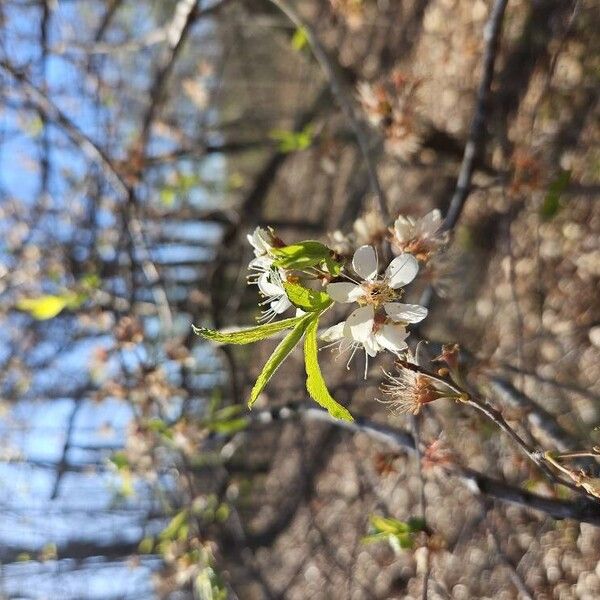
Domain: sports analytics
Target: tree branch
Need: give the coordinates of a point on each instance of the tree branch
(582, 509)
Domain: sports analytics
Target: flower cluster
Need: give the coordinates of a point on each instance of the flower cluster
(393, 107)
(379, 320)
(313, 278)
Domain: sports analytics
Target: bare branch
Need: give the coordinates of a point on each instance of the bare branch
(342, 95)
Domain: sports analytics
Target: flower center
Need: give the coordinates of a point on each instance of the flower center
(377, 293)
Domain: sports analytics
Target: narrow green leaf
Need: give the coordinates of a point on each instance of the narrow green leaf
(388, 525)
(247, 336)
(280, 353)
(171, 531)
(305, 298)
(551, 203)
(315, 384)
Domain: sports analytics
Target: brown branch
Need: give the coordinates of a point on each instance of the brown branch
(583, 509)
(343, 97)
(475, 142)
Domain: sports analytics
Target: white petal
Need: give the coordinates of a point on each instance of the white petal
(402, 270)
(258, 240)
(404, 228)
(261, 263)
(359, 324)
(371, 346)
(267, 287)
(409, 313)
(364, 262)
(343, 292)
(280, 305)
(431, 223)
(392, 337)
(331, 334)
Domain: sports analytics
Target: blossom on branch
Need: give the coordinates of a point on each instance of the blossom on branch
(420, 237)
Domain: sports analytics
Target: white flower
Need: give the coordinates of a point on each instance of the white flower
(372, 334)
(259, 240)
(377, 291)
(368, 326)
(270, 284)
(266, 276)
(370, 228)
(420, 237)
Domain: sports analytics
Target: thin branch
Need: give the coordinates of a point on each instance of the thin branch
(343, 97)
(475, 142)
(537, 416)
(582, 509)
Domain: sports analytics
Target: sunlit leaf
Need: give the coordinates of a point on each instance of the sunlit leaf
(44, 307)
(293, 141)
(172, 530)
(315, 384)
(119, 459)
(279, 355)
(47, 307)
(146, 545)
(301, 255)
(305, 298)
(299, 39)
(249, 335)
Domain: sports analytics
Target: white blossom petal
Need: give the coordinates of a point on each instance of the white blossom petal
(364, 262)
(431, 222)
(409, 313)
(404, 228)
(371, 346)
(343, 291)
(258, 240)
(392, 337)
(261, 263)
(359, 324)
(267, 287)
(280, 305)
(402, 270)
(333, 333)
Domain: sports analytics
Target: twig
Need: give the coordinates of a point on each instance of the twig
(537, 416)
(342, 96)
(583, 509)
(112, 174)
(475, 142)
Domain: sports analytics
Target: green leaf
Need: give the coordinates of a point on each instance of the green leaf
(300, 38)
(315, 384)
(247, 336)
(305, 298)
(280, 353)
(388, 525)
(301, 255)
(293, 141)
(176, 524)
(146, 545)
(44, 307)
(551, 203)
(119, 459)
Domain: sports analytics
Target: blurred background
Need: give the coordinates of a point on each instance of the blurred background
(140, 142)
